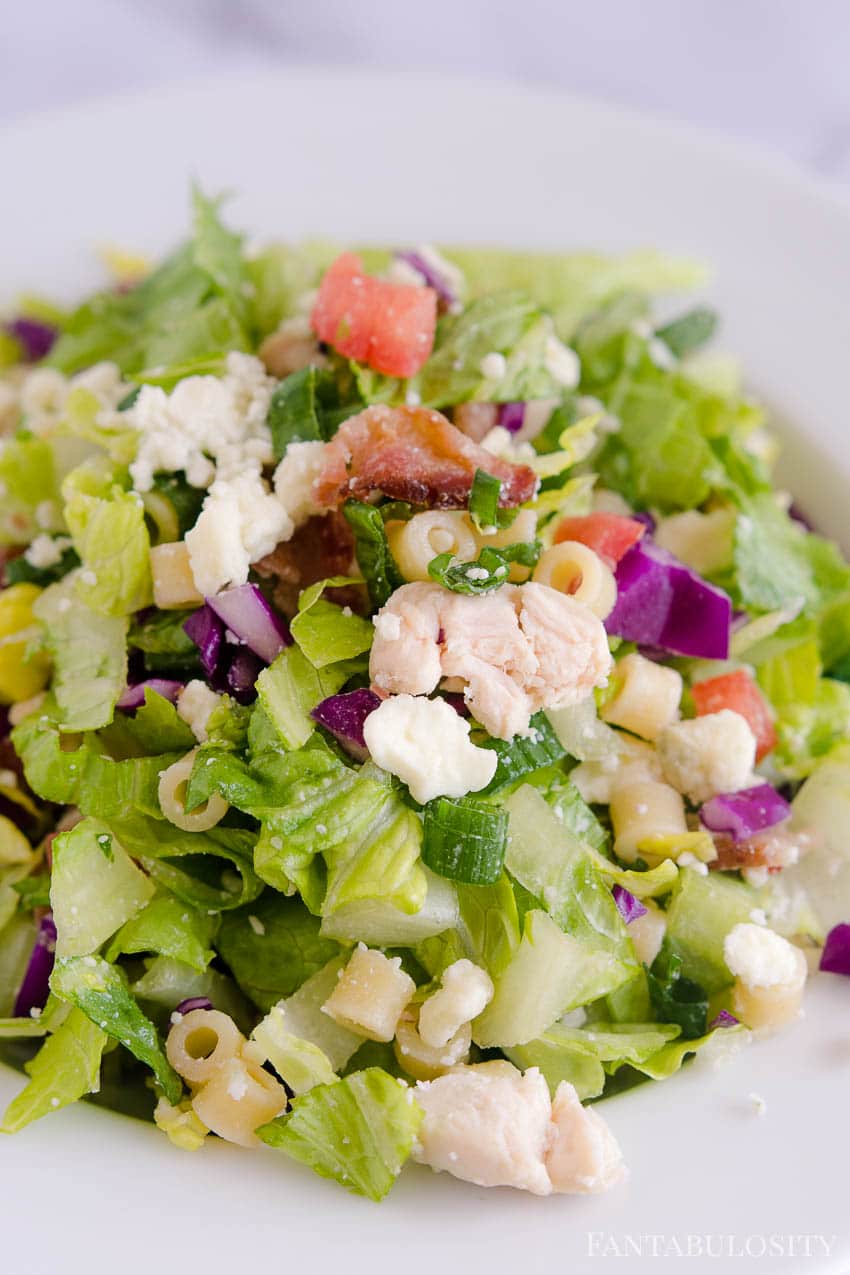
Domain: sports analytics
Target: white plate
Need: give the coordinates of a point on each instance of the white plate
(406, 158)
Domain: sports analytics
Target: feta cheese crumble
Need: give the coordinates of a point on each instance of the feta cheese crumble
(203, 419)
(195, 705)
(427, 745)
(493, 366)
(760, 957)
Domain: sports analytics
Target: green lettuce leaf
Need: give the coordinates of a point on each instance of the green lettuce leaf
(169, 927)
(702, 911)
(166, 982)
(290, 687)
(66, 1068)
(585, 1056)
(323, 630)
(358, 1131)
(372, 550)
(777, 562)
(310, 405)
(95, 888)
(549, 974)
(184, 316)
(111, 537)
(572, 285)
(272, 946)
(100, 990)
(164, 644)
(89, 653)
(28, 477)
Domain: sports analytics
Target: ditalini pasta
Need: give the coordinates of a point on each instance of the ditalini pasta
(172, 799)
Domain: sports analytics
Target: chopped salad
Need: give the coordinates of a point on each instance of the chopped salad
(423, 715)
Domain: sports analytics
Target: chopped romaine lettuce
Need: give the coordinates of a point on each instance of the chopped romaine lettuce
(66, 1068)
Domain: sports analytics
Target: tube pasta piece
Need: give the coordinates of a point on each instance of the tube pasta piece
(172, 799)
(239, 1097)
(647, 932)
(571, 567)
(647, 697)
(173, 582)
(201, 1042)
(643, 810)
(416, 542)
(770, 975)
(370, 995)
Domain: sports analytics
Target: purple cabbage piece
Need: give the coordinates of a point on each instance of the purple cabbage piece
(207, 632)
(193, 1002)
(433, 278)
(35, 986)
(742, 814)
(835, 957)
(242, 675)
(245, 611)
(663, 603)
(645, 518)
(34, 337)
(134, 696)
(629, 907)
(343, 716)
(511, 417)
(723, 1019)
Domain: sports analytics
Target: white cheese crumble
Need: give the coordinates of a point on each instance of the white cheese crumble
(426, 744)
(45, 551)
(562, 363)
(294, 479)
(760, 957)
(239, 523)
(493, 366)
(195, 705)
(707, 755)
(689, 860)
(203, 419)
(758, 1103)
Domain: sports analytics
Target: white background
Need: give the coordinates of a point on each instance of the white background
(774, 71)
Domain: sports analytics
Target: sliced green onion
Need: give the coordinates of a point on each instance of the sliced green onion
(372, 550)
(489, 571)
(465, 839)
(484, 499)
(524, 753)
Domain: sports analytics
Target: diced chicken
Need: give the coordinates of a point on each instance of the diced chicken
(583, 1156)
(495, 1126)
(487, 1127)
(514, 650)
(412, 453)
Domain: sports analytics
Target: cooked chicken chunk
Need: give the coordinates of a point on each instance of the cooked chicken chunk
(515, 650)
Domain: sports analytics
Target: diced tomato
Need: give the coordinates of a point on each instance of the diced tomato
(609, 535)
(739, 692)
(390, 326)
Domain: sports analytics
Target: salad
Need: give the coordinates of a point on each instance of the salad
(423, 715)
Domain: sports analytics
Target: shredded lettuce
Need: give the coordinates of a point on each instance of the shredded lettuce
(112, 541)
(171, 928)
(66, 1068)
(327, 633)
(585, 1057)
(29, 480)
(290, 687)
(272, 946)
(89, 654)
(95, 888)
(358, 1131)
(185, 316)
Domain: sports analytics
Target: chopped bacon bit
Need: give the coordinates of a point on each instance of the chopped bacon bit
(322, 547)
(774, 849)
(411, 453)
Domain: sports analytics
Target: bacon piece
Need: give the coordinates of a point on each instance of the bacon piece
(322, 547)
(414, 454)
(774, 849)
